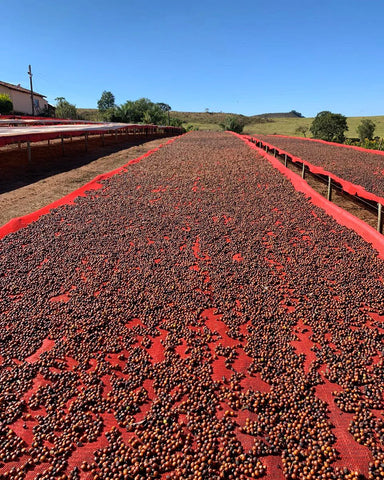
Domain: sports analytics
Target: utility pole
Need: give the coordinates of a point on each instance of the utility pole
(30, 80)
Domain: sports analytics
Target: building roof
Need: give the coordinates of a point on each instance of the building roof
(20, 89)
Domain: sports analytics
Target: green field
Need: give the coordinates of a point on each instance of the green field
(267, 125)
(288, 126)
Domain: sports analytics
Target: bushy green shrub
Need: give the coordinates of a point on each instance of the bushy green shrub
(140, 111)
(375, 144)
(6, 105)
(366, 129)
(175, 122)
(302, 129)
(64, 109)
(233, 124)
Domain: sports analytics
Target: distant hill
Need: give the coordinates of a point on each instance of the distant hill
(205, 117)
(291, 114)
(219, 117)
(90, 114)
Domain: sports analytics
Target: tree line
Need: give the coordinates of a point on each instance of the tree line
(332, 127)
(142, 110)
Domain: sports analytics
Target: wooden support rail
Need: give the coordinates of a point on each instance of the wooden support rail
(118, 134)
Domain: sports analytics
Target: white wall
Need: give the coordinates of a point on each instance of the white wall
(22, 101)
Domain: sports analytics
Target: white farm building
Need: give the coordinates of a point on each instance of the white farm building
(21, 99)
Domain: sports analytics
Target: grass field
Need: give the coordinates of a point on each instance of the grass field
(262, 124)
(269, 126)
(288, 126)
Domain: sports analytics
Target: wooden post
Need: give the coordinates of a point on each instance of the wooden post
(86, 141)
(329, 192)
(115, 136)
(303, 171)
(285, 159)
(380, 218)
(266, 148)
(29, 151)
(103, 139)
(19, 144)
(49, 141)
(274, 152)
(62, 145)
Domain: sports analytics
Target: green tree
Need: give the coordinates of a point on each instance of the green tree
(124, 113)
(366, 129)
(110, 115)
(140, 111)
(64, 109)
(329, 126)
(302, 129)
(175, 122)
(6, 105)
(233, 124)
(166, 109)
(106, 102)
(157, 115)
(155, 112)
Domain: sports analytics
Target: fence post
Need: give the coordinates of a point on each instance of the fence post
(285, 159)
(329, 191)
(303, 171)
(274, 152)
(380, 218)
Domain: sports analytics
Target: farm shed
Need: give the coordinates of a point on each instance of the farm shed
(21, 99)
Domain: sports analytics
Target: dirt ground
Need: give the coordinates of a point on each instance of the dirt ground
(27, 186)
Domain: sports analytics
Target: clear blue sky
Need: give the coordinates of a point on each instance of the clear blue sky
(244, 57)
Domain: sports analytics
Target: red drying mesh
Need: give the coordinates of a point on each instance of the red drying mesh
(52, 132)
(20, 222)
(359, 171)
(184, 323)
(324, 142)
(340, 215)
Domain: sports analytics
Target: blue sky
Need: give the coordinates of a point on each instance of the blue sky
(246, 57)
